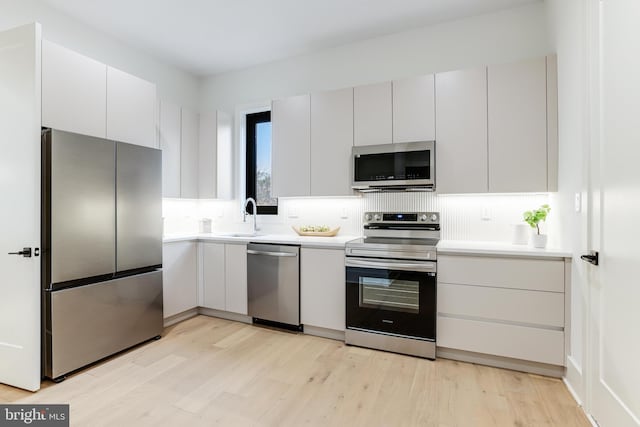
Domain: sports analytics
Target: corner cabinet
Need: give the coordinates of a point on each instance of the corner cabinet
(179, 277)
(215, 156)
(189, 132)
(290, 149)
(169, 134)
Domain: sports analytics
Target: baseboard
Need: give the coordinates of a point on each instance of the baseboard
(227, 315)
(177, 318)
(324, 332)
(501, 362)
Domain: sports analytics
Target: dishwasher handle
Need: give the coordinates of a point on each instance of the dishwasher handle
(275, 254)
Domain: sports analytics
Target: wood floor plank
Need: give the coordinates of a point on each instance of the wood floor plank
(207, 371)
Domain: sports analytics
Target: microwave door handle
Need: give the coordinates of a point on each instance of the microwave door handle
(422, 267)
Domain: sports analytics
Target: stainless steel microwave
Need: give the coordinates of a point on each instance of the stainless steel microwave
(394, 167)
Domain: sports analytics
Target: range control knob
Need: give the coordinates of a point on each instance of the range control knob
(423, 217)
(367, 217)
(434, 217)
(377, 217)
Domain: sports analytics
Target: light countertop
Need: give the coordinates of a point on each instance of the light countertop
(459, 247)
(337, 242)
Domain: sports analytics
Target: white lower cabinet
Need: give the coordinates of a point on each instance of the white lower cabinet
(322, 288)
(224, 275)
(179, 277)
(499, 306)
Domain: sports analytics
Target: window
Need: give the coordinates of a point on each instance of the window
(259, 163)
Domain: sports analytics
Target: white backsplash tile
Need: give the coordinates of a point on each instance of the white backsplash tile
(485, 217)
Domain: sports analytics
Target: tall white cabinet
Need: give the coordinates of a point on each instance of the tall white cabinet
(331, 142)
(170, 134)
(372, 114)
(414, 109)
(461, 131)
(189, 131)
(517, 108)
(74, 91)
(290, 150)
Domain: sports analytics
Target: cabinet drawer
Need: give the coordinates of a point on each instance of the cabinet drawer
(511, 305)
(516, 273)
(519, 342)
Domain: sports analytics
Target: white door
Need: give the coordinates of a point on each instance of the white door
(20, 206)
(615, 288)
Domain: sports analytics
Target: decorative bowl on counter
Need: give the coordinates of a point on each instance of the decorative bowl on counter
(316, 230)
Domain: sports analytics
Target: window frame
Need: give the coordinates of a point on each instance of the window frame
(252, 120)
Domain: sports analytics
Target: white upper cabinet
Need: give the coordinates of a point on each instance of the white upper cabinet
(74, 91)
(131, 109)
(414, 109)
(372, 112)
(331, 142)
(517, 104)
(215, 156)
(291, 140)
(189, 131)
(170, 145)
(461, 131)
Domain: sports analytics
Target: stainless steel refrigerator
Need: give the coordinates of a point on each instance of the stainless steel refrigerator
(101, 248)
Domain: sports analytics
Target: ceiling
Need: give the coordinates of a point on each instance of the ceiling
(208, 37)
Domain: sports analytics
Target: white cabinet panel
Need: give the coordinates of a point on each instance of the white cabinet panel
(236, 278)
(519, 342)
(291, 140)
(208, 156)
(414, 109)
(322, 288)
(74, 91)
(552, 123)
(517, 108)
(170, 145)
(372, 112)
(331, 142)
(179, 277)
(131, 109)
(224, 163)
(461, 131)
(509, 305)
(515, 273)
(213, 266)
(189, 130)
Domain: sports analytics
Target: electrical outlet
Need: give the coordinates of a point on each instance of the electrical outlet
(344, 214)
(293, 212)
(578, 202)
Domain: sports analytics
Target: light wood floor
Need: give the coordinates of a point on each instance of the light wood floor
(207, 371)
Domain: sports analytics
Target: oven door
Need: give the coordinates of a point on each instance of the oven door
(392, 296)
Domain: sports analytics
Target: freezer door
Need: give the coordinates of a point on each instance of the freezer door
(82, 205)
(139, 207)
(88, 323)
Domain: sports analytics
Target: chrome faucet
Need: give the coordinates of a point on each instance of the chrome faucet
(255, 213)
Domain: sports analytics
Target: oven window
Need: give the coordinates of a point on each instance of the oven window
(390, 294)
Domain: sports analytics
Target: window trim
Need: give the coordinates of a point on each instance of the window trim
(252, 119)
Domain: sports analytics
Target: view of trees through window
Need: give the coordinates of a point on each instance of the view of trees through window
(259, 162)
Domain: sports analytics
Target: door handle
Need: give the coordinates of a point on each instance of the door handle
(25, 252)
(591, 258)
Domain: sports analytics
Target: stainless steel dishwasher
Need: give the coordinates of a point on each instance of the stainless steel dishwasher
(273, 280)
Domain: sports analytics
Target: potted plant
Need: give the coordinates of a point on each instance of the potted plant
(533, 218)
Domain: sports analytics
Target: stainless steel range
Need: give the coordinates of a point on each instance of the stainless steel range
(391, 283)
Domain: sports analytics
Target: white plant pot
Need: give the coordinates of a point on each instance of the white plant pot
(539, 240)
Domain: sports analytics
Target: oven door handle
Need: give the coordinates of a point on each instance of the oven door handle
(428, 267)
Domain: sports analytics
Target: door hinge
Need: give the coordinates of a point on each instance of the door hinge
(592, 257)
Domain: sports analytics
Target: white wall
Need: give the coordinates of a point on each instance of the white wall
(498, 37)
(567, 19)
(173, 84)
